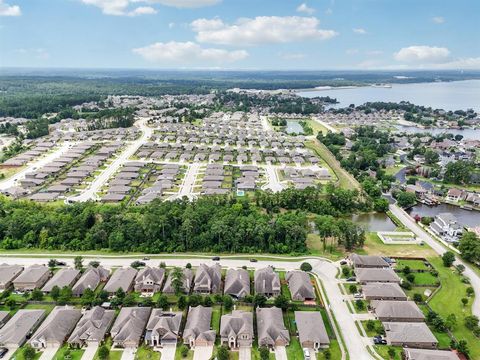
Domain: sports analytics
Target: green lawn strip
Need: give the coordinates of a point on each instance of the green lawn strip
(413, 264)
(419, 290)
(357, 310)
(424, 278)
(382, 350)
(335, 352)
(18, 354)
(216, 315)
(447, 301)
(145, 352)
(374, 332)
(47, 307)
(256, 353)
(285, 289)
(294, 349)
(75, 354)
(178, 354)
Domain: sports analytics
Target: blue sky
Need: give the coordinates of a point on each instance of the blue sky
(241, 34)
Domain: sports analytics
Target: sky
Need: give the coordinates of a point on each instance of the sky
(241, 34)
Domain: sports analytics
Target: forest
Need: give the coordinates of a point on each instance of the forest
(276, 223)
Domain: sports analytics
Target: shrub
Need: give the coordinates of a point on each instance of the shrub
(410, 277)
(346, 271)
(471, 322)
(264, 353)
(306, 267)
(448, 258)
(417, 297)
(103, 352)
(352, 288)
(184, 351)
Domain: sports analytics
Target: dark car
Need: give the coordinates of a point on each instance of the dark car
(146, 258)
(216, 258)
(61, 263)
(353, 278)
(253, 260)
(3, 352)
(343, 262)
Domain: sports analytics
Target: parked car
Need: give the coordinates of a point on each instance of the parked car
(343, 262)
(353, 278)
(358, 296)
(306, 354)
(216, 258)
(146, 258)
(61, 263)
(3, 352)
(253, 260)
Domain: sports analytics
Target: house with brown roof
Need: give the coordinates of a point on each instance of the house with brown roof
(33, 277)
(236, 329)
(311, 330)
(270, 327)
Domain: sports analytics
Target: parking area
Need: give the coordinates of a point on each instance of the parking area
(203, 352)
(280, 353)
(49, 353)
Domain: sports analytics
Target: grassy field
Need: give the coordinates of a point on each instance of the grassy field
(75, 354)
(447, 301)
(424, 278)
(216, 315)
(345, 180)
(315, 245)
(412, 264)
(375, 246)
(18, 355)
(316, 127)
(178, 355)
(146, 353)
(382, 350)
(374, 332)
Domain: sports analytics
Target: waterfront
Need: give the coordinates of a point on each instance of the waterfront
(469, 218)
(374, 221)
(470, 134)
(454, 95)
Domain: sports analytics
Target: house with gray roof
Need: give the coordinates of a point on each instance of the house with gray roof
(208, 279)
(56, 328)
(20, 326)
(8, 273)
(121, 279)
(270, 327)
(163, 328)
(197, 329)
(397, 311)
(90, 279)
(311, 330)
(426, 354)
(383, 291)
(127, 331)
(33, 277)
(62, 278)
(267, 282)
(367, 275)
(300, 285)
(236, 329)
(237, 283)
(92, 327)
(368, 261)
(149, 280)
(413, 335)
(187, 280)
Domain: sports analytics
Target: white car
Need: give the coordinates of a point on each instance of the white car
(358, 296)
(306, 354)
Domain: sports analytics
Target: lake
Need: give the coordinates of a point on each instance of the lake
(467, 218)
(293, 127)
(454, 95)
(374, 221)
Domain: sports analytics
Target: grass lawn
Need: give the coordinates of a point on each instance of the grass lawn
(344, 178)
(75, 354)
(146, 353)
(360, 311)
(447, 301)
(178, 355)
(413, 264)
(47, 307)
(382, 350)
(375, 246)
(294, 350)
(285, 289)
(425, 278)
(372, 333)
(18, 355)
(216, 315)
(315, 245)
(256, 353)
(419, 290)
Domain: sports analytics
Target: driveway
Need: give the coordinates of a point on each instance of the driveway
(168, 352)
(90, 351)
(202, 353)
(245, 353)
(280, 353)
(128, 354)
(49, 353)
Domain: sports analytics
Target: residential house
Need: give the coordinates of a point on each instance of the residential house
(33, 277)
(62, 278)
(426, 354)
(446, 226)
(121, 279)
(163, 328)
(311, 330)
(92, 327)
(455, 195)
(56, 327)
(149, 280)
(397, 311)
(300, 285)
(187, 279)
(236, 329)
(237, 283)
(7, 274)
(127, 331)
(368, 261)
(197, 329)
(365, 275)
(412, 335)
(267, 282)
(20, 327)
(270, 327)
(90, 279)
(383, 291)
(208, 279)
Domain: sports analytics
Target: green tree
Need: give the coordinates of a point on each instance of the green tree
(464, 301)
(28, 352)
(259, 300)
(458, 172)
(184, 351)
(448, 258)
(36, 295)
(462, 347)
(418, 298)
(352, 288)
(469, 247)
(222, 353)
(177, 280)
(162, 302)
(451, 321)
(471, 322)
(52, 263)
(360, 305)
(78, 261)
(264, 353)
(55, 293)
(182, 302)
(65, 295)
(103, 352)
(370, 324)
(88, 297)
(227, 302)
(281, 302)
(129, 300)
(306, 267)
(470, 291)
(10, 303)
(391, 353)
(431, 157)
(406, 199)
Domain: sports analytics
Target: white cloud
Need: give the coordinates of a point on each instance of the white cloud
(142, 10)
(173, 53)
(292, 56)
(185, 3)
(110, 7)
(422, 54)
(304, 8)
(438, 19)
(360, 31)
(171, 25)
(260, 30)
(9, 10)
